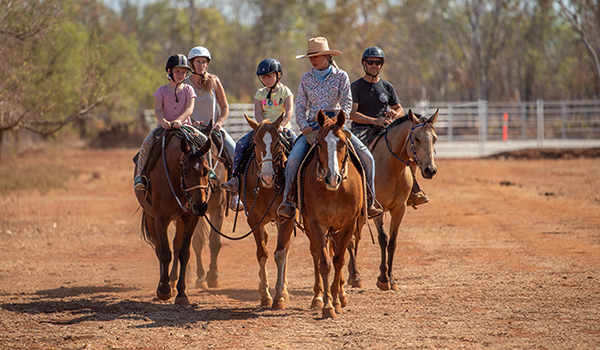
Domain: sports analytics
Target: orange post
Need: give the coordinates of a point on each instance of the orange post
(505, 127)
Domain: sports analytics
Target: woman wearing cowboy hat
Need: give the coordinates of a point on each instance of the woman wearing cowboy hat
(325, 87)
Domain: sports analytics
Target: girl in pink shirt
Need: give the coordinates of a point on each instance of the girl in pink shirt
(173, 107)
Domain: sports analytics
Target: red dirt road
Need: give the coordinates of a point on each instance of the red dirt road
(506, 255)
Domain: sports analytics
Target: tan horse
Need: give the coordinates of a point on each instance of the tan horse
(332, 209)
(408, 139)
(262, 192)
(178, 192)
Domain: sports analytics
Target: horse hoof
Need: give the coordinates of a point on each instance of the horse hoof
(201, 285)
(328, 312)
(344, 301)
(266, 302)
(338, 308)
(182, 301)
(286, 297)
(394, 287)
(317, 303)
(214, 284)
(383, 286)
(278, 304)
(163, 296)
(357, 284)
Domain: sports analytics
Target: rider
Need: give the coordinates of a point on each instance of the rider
(173, 107)
(211, 103)
(325, 87)
(270, 102)
(371, 97)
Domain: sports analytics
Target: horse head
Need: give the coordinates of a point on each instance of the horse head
(423, 138)
(195, 175)
(332, 150)
(268, 151)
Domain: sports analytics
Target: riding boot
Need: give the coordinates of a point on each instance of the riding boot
(374, 208)
(235, 203)
(416, 196)
(287, 209)
(231, 185)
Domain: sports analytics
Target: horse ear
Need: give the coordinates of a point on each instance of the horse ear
(433, 118)
(348, 134)
(206, 146)
(185, 146)
(253, 123)
(341, 119)
(279, 120)
(321, 118)
(413, 118)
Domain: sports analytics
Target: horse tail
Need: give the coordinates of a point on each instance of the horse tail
(146, 232)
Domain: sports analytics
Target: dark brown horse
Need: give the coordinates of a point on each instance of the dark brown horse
(262, 193)
(332, 208)
(217, 205)
(407, 140)
(178, 192)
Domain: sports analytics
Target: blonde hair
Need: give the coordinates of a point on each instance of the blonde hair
(208, 82)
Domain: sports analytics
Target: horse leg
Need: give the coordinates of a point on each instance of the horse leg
(284, 238)
(382, 281)
(354, 279)
(394, 227)
(214, 243)
(163, 253)
(198, 243)
(177, 242)
(184, 257)
(328, 311)
(261, 238)
(337, 287)
(317, 301)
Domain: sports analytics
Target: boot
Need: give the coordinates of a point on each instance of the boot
(287, 209)
(140, 183)
(235, 203)
(417, 198)
(231, 185)
(372, 210)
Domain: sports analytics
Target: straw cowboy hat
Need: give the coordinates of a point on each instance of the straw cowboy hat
(319, 46)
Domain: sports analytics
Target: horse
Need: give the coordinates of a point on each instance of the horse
(333, 208)
(261, 192)
(185, 174)
(409, 139)
(217, 206)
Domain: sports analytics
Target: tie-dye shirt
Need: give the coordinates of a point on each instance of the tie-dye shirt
(332, 94)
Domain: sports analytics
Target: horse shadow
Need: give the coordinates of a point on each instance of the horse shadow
(100, 304)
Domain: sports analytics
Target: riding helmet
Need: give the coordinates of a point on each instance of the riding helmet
(268, 66)
(373, 52)
(199, 51)
(177, 60)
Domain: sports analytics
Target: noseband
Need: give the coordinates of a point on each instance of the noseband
(344, 161)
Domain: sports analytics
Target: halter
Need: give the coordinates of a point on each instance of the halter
(412, 145)
(185, 190)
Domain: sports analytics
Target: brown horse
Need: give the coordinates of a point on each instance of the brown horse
(182, 177)
(217, 205)
(408, 139)
(332, 208)
(262, 193)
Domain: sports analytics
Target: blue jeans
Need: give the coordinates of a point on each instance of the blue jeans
(301, 147)
(240, 146)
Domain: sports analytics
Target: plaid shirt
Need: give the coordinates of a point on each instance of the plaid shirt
(332, 94)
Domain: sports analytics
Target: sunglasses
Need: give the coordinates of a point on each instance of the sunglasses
(372, 62)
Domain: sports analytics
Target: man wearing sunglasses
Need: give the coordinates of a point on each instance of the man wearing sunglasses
(375, 105)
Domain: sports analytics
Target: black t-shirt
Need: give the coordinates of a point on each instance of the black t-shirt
(373, 99)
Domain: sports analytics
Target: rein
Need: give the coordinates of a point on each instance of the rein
(412, 145)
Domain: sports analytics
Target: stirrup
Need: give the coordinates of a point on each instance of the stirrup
(417, 198)
(235, 203)
(287, 209)
(140, 183)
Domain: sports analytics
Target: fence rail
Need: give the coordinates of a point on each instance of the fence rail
(483, 121)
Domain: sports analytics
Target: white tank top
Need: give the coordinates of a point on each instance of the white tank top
(205, 106)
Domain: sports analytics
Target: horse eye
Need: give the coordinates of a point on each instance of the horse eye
(417, 139)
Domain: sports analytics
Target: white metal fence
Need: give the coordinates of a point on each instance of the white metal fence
(483, 121)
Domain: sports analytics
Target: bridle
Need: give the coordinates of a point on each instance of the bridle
(277, 161)
(343, 171)
(412, 145)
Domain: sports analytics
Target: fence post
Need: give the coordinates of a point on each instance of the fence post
(450, 127)
(563, 119)
(540, 122)
(482, 117)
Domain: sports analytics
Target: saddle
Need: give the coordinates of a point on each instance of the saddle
(248, 153)
(368, 133)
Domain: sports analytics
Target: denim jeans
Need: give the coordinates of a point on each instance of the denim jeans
(301, 147)
(240, 146)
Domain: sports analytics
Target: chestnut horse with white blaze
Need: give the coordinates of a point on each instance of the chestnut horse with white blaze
(408, 140)
(262, 193)
(181, 177)
(333, 208)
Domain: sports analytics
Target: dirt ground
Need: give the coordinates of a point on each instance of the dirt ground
(506, 255)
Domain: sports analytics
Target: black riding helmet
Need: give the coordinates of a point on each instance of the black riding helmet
(372, 52)
(268, 66)
(177, 60)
